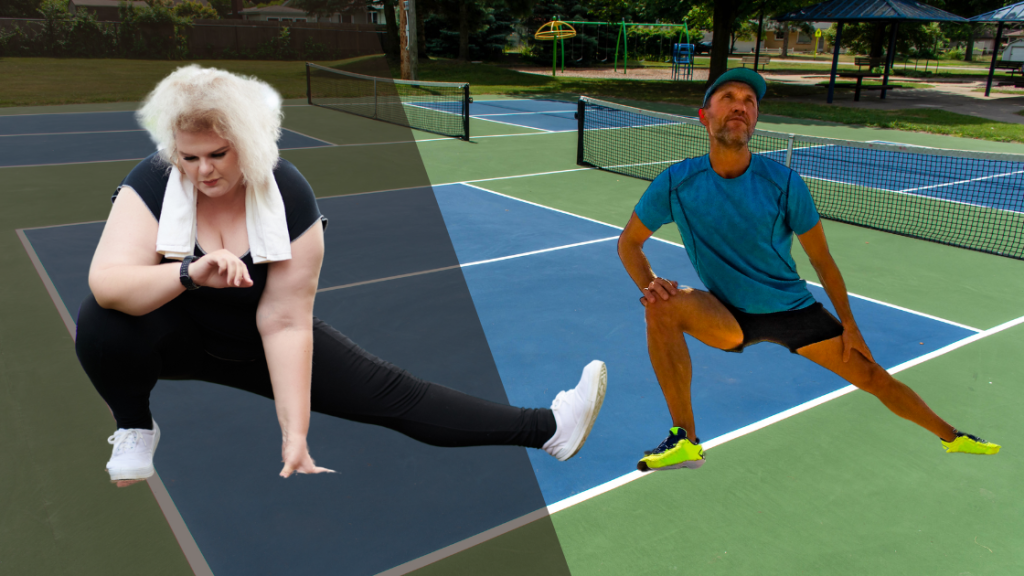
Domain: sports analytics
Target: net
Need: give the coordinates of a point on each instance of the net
(968, 199)
(437, 107)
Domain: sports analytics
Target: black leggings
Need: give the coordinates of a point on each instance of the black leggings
(125, 355)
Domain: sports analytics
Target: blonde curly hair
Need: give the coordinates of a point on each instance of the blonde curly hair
(245, 111)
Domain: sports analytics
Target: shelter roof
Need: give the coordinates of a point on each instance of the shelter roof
(870, 11)
(1012, 13)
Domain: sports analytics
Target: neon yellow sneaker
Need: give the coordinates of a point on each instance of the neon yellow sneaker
(970, 444)
(675, 452)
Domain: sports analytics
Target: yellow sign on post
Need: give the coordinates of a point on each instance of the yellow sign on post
(817, 38)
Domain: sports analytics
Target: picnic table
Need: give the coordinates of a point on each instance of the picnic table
(860, 76)
(1009, 65)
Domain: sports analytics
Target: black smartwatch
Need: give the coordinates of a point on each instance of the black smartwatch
(186, 280)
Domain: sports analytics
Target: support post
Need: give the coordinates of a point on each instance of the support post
(890, 58)
(625, 48)
(995, 54)
(309, 93)
(554, 56)
(757, 45)
(835, 63)
(789, 151)
(615, 66)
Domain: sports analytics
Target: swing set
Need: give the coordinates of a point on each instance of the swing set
(680, 55)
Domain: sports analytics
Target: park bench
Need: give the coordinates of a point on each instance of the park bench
(762, 60)
(1008, 65)
(869, 62)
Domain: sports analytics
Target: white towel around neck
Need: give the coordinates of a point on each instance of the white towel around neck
(265, 221)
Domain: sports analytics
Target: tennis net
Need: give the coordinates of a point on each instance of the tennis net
(437, 107)
(971, 200)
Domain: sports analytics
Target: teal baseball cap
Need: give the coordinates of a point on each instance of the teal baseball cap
(745, 75)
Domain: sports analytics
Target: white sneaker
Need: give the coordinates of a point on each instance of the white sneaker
(132, 458)
(575, 411)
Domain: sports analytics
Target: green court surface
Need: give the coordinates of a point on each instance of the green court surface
(844, 488)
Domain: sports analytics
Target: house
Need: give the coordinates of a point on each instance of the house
(357, 13)
(799, 41)
(772, 40)
(276, 14)
(103, 10)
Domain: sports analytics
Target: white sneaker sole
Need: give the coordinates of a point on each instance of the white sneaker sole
(137, 473)
(597, 372)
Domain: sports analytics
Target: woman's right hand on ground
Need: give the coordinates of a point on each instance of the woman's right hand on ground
(296, 458)
(220, 269)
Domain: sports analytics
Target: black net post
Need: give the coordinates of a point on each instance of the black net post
(465, 113)
(438, 107)
(581, 122)
(309, 92)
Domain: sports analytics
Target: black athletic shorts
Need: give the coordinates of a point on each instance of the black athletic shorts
(793, 329)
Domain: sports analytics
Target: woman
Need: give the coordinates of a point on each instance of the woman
(227, 295)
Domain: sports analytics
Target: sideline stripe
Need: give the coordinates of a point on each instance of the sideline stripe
(636, 474)
(597, 490)
(188, 545)
(68, 133)
(453, 267)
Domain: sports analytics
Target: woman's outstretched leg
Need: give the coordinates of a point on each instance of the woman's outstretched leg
(351, 383)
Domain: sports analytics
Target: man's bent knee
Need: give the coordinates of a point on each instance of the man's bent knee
(671, 312)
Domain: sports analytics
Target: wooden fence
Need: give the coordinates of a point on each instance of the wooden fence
(212, 38)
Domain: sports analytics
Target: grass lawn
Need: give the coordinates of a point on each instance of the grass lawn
(47, 81)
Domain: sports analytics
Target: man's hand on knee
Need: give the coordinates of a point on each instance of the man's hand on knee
(853, 340)
(659, 288)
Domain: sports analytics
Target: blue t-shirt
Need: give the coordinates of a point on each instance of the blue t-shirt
(738, 232)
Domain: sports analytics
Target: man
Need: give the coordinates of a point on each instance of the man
(737, 214)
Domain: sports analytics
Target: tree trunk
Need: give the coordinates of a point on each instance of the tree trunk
(720, 43)
(785, 40)
(421, 36)
(394, 42)
(464, 30)
(969, 53)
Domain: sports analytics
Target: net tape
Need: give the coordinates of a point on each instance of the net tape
(972, 200)
(437, 107)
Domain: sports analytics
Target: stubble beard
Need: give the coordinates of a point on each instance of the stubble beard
(733, 138)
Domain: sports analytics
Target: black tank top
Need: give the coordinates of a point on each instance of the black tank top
(228, 315)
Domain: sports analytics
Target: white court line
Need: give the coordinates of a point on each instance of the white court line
(517, 125)
(854, 295)
(188, 545)
(67, 133)
(542, 251)
(959, 182)
(466, 265)
(901, 308)
(622, 480)
(65, 113)
(636, 474)
(522, 113)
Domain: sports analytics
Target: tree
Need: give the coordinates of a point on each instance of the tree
(19, 8)
(729, 17)
(966, 33)
(195, 11)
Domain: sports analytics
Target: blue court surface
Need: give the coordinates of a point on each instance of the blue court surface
(985, 183)
(540, 293)
(44, 139)
(546, 115)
